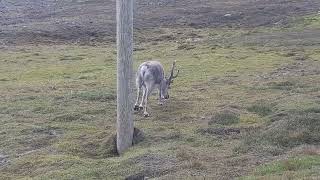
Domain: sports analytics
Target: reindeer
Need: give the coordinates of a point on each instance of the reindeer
(150, 74)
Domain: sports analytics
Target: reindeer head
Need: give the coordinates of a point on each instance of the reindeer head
(168, 81)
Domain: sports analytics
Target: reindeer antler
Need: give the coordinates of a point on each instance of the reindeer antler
(171, 74)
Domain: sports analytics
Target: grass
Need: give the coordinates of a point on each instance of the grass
(292, 164)
(285, 132)
(57, 109)
(95, 96)
(311, 21)
(225, 118)
(292, 168)
(260, 108)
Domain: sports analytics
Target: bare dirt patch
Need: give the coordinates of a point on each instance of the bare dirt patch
(87, 22)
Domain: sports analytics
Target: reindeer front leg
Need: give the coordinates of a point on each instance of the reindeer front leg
(160, 97)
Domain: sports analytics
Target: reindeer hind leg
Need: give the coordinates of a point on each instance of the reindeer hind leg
(148, 91)
(143, 98)
(136, 106)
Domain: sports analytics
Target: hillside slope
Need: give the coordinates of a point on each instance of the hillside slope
(89, 21)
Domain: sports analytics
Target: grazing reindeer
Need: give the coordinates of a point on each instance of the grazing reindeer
(150, 74)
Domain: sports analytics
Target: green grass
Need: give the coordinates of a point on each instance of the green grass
(285, 131)
(95, 96)
(311, 21)
(58, 109)
(225, 118)
(260, 108)
(292, 168)
(292, 164)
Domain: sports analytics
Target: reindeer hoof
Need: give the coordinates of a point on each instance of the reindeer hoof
(145, 114)
(136, 108)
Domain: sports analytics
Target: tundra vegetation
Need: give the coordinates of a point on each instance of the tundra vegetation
(246, 104)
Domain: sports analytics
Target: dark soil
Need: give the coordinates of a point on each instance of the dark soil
(87, 22)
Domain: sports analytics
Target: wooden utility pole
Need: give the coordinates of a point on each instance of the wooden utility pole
(125, 125)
